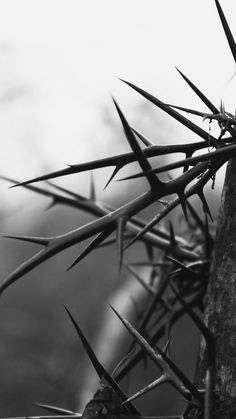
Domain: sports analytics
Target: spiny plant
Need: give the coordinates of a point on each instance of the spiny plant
(178, 280)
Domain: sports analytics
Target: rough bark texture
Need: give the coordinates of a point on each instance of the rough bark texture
(220, 312)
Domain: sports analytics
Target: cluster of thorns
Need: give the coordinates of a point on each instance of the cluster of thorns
(182, 279)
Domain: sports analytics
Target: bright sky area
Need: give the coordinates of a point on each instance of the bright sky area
(60, 60)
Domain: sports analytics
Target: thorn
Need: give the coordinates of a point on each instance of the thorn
(115, 171)
(142, 159)
(173, 241)
(161, 380)
(166, 348)
(122, 362)
(227, 30)
(205, 206)
(152, 354)
(176, 115)
(120, 239)
(92, 194)
(96, 364)
(91, 246)
(57, 409)
(37, 240)
(222, 107)
(100, 370)
(183, 200)
(140, 339)
(145, 140)
(205, 100)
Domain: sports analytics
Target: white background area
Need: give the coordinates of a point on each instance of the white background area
(59, 65)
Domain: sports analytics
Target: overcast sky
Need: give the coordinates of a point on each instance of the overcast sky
(60, 59)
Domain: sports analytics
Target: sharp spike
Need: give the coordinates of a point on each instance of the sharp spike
(37, 240)
(115, 171)
(122, 362)
(100, 370)
(144, 139)
(186, 122)
(166, 348)
(91, 246)
(205, 100)
(173, 240)
(96, 364)
(161, 380)
(92, 194)
(222, 110)
(205, 204)
(120, 239)
(227, 30)
(181, 265)
(187, 161)
(188, 110)
(152, 354)
(183, 200)
(142, 159)
(140, 339)
(187, 383)
(57, 410)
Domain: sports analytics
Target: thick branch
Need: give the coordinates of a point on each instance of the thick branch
(220, 312)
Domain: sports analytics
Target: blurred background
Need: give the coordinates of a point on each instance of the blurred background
(59, 66)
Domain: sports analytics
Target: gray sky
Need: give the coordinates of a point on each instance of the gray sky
(59, 63)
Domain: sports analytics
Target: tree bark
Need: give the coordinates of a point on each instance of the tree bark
(220, 309)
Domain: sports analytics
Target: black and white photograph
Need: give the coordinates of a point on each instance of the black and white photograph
(118, 209)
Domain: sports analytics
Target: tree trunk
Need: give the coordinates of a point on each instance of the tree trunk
(220, 311)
